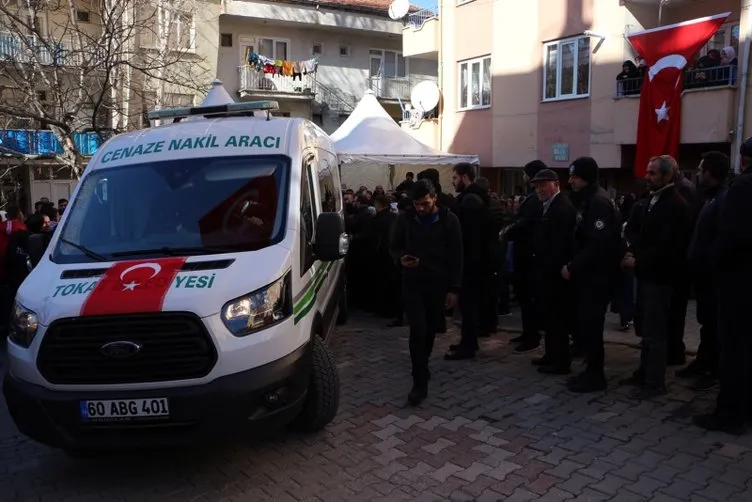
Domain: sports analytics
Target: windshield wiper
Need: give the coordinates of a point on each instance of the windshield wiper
(177, 251)
(88, 252)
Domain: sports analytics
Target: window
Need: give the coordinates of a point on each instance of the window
(307, 219)
(390, 64)
(273, 48)
(177, 28)
(317, 49)
(226, 39)
(83, 16)
(344, 51)
(327, 189)
(181, 31)
(566, 69)
(210, 205)
(727, 35)
(475, 83)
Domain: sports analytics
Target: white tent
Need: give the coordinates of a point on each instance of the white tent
(374, 150)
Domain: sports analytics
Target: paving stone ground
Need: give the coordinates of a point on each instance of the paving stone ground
(492, 429)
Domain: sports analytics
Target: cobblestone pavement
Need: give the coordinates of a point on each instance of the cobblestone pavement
(492, 429)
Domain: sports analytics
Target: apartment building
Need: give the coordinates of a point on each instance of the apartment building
(352, 46)
(537, 79)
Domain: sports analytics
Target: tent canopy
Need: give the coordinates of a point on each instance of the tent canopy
(370, 135)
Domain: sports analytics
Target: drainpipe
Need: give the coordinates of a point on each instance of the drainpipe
(661, 5)
(441, 74)
(742, 87)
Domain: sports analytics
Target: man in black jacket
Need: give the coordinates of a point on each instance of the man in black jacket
(472, 208)
(552, 248)
(659, 258)
(680, 297)
(427, 244)
(520, 235)
(731, 254)
(712, 173)
(593, 270)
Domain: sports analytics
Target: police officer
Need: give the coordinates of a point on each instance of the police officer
(593, 269)
(731, 251)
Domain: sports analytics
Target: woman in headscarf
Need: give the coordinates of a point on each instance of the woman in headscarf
(729, 64)
(628, 81)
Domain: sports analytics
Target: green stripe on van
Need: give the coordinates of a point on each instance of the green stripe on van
(308, 298)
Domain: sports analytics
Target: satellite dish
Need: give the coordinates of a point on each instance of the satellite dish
(399, 9)
(425, 96)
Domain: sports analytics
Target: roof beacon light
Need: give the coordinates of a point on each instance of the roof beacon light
(212, 107)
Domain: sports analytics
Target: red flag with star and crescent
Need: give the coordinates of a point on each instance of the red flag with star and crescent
(129, 287)
(666, 51)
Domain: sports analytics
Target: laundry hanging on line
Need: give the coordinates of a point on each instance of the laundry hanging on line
(295, 69)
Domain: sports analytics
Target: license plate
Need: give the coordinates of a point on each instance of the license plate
(125, 409)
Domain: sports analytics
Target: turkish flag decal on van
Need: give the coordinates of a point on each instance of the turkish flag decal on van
(131, 287)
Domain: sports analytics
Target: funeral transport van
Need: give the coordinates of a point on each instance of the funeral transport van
(190, 288)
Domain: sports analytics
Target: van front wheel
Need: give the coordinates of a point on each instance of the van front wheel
(322, 401)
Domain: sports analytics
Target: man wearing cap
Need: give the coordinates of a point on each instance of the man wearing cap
(731, 252)
(552, 249)
(593, 269)
(520, 234)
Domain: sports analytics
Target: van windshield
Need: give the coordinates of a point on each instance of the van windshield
(176, 207)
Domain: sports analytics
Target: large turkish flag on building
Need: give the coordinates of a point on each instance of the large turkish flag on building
(666, 51)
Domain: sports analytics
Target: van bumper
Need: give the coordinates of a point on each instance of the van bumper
(238, 402)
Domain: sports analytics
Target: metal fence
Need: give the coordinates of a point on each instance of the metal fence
(31, 50)
(699, 78)
(417, 19)
(252, 80)
(43, 142)
(395, 87)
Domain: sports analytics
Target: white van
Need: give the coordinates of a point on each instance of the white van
(190, 288)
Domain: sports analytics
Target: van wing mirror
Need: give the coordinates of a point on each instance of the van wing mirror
(332, 242)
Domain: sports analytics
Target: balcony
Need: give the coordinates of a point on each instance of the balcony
(45, 143)
(254, 83)
(708, 103)
(420, 37)
(395, 88)
(15, 49)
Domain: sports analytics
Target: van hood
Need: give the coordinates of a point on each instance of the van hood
(202, 285)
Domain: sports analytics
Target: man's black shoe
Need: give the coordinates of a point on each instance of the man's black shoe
(636, 380)
(517, 339)
(456, 346)
(714, 422)
(417, 395)
(459, 355)
(645, 393)
(704, 382)
(586, 382)
(554, 370)
(527, 346)
(694, 369)
(541, 361)
(677, 360)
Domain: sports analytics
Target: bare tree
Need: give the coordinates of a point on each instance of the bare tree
(90, 66)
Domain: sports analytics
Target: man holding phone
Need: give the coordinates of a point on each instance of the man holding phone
(427, 244)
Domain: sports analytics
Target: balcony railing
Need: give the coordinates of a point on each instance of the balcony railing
(252, 80)
(417, 19)
(394, 87)
(699, 78)
(31, 50)
(42, 142)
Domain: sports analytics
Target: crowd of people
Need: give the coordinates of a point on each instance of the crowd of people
(566, 258)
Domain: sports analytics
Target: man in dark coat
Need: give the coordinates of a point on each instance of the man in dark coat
(520, 234)
(593, 270)
(712, 173)
(472, 208)
(427, 244)
(682, 287)
(659, 258)
(385, 274)
(731, 252)
(552, 246)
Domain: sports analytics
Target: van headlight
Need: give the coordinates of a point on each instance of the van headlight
(23, 325)
(260, 309)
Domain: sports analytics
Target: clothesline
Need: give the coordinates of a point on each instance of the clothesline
(273, 66)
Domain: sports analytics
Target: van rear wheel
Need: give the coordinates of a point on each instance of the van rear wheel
(322, 401)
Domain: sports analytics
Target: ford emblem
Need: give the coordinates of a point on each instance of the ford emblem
(120, 349)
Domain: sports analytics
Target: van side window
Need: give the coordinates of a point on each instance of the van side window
(306, 220)
(328, 190)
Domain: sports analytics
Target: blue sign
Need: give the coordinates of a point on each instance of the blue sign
(560, 152)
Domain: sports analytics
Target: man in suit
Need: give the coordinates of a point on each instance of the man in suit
(552, 248)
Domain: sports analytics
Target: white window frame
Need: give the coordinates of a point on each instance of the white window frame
(397, 55)
(191, 34)
(483, 60)
(559, 43)
(274, 40)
